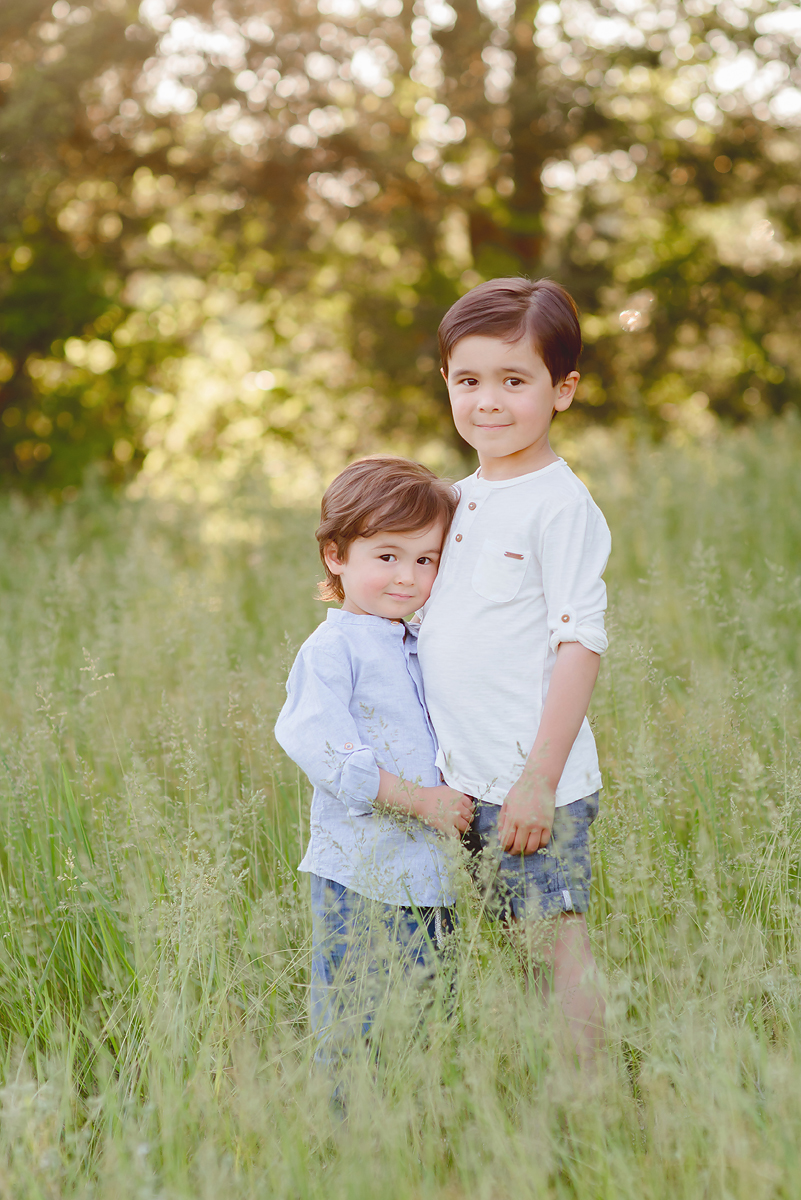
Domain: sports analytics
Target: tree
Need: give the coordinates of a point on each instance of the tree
(230, 233)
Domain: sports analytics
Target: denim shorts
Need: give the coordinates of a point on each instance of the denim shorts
(363, 952)
(554, 880)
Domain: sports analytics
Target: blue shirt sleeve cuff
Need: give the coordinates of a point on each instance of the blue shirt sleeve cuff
(359, 782)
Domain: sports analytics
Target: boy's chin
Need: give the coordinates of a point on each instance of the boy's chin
(397, 612)
(390, 611)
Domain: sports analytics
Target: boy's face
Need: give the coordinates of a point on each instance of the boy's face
(388, 574)
(503, 401)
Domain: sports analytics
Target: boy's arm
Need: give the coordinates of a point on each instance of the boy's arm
(318, 732)
(573, 551)
(316, 729)
(527, 813)
(441, 807)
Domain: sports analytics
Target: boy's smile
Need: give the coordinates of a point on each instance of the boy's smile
(388, 574)
(503, 401)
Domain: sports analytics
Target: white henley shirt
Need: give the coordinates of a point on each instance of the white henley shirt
(521, 572)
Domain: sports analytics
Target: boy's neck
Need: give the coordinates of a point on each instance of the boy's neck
(523, 462)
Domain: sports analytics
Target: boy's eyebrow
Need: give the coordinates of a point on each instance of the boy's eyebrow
(397, 546)
(510, 368)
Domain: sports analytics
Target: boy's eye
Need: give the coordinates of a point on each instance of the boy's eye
(387, 557)
(514, 380)
(424, 561)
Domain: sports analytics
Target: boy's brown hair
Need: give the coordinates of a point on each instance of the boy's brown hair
(513, 308)
(379, 494)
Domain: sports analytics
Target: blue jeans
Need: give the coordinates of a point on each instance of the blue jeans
(363, 952)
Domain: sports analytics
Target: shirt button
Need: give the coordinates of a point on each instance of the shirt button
(348, 746)
(565, 617)
(472, 505)
(458, 537)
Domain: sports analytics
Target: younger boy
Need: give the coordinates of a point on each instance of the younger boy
(355, 721)
(511, 639)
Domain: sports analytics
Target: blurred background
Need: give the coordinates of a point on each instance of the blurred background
(228, 230)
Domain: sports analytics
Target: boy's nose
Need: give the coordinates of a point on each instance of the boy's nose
(488, 403)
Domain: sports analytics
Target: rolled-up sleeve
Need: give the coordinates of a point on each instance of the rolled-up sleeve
(574, 552)
(318, 732)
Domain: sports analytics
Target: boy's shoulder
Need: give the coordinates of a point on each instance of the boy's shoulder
(341, 636)
(564, 485)
(542, 492)
(327, 653)
(329, 638)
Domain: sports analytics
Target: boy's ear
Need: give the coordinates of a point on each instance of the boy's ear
(332, 560)
(444, 374)
(567, 390)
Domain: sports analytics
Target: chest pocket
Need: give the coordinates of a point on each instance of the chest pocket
(499, 572)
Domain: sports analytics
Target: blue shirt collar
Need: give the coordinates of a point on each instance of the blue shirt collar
(367, 621)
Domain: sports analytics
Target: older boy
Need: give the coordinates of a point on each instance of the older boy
(511, 640)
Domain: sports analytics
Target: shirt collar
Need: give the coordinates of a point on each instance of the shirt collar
(380, 624)
(479, 480)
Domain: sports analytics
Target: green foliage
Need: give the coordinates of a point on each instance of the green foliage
(57, 418)
(217, 192)
(154, 964)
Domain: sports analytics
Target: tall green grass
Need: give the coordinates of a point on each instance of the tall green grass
(155, 935)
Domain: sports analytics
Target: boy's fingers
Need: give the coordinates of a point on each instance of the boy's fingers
(521, 839)
(533, 843)
(515, 837)
(517, 841)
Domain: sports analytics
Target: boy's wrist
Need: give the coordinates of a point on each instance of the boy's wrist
(421, 802)
(535, 784)
(396, 793)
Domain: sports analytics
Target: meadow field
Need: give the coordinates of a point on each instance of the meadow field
(155, 935)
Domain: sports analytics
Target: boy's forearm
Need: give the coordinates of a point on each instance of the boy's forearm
(394, 792)
(527, 813)
(441, 808)
(566, 704)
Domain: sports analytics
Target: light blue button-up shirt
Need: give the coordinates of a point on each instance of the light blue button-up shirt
(355, 703)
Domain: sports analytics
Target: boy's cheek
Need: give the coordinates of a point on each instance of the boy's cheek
(425, 585)
(461, 421)
(457, 410)
(466, 433)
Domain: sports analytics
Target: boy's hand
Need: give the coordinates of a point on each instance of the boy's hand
(445, 809)
(526, 817)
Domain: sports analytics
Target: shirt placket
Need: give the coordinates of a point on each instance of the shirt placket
(417, 679)
(409, 646)
(460, 531)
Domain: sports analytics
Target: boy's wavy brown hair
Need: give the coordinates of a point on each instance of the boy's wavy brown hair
(512, 308)
(376, 495)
